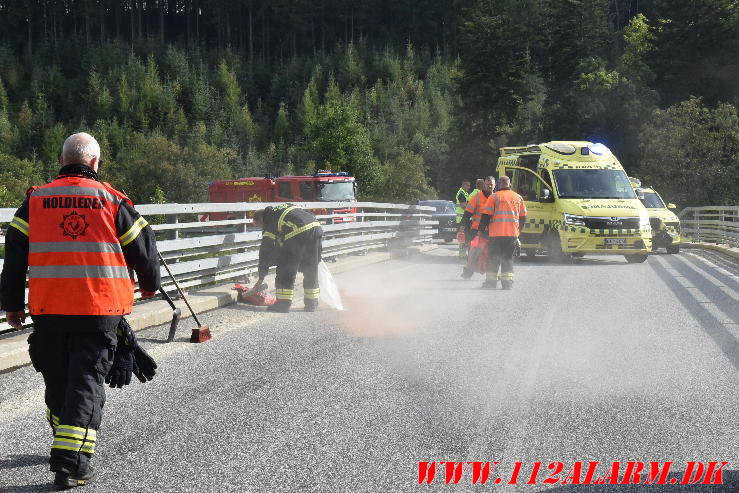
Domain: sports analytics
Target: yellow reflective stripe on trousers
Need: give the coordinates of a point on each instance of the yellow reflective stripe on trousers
(88, 433)
(311, 294)
(281, 220)
(284, 294)
(53, 420)
(269, 235)
(132, 233)
(20, 225)
(74, 438)
(302, 229)
(507, 276)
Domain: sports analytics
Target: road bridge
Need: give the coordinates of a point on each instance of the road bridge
(597, 360)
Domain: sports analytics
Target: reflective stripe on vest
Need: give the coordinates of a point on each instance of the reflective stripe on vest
(504, 208)
(474, 207)
(302, 229)
(281, 220)
(76, 263)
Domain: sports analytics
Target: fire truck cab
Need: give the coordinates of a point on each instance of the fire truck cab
(323, 186)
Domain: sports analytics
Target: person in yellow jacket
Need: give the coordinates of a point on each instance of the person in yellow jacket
(461, 199)
(502, 220)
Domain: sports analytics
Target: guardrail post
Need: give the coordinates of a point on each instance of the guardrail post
(172, 234)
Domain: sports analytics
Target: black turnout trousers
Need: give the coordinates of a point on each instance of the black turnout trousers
(501, 257)
(74, 366)
(302, 253)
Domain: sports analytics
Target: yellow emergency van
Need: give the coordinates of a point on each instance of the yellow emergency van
(665, 223)
(579, 201)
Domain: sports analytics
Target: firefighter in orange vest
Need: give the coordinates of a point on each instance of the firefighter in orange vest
(78, 238)
(472, 215)
(502, 219)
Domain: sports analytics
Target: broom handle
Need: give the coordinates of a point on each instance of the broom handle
(178, 289)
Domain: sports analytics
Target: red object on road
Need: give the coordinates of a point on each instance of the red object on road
(478, 256)
(258, 298)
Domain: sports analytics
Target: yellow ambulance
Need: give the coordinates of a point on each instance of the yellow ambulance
(579, 201)
(665, 224)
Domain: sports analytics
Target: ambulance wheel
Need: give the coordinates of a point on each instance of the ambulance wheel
(673, 249)
(636, 258)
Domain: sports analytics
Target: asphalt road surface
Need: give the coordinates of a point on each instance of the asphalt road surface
(597, 360)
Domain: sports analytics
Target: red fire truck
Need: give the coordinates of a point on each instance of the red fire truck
(323, 186)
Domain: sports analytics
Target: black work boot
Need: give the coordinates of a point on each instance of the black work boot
(280, 306)
(467, 273)
(311, 305)
(66, 481)
(507, 284)
(488, 284)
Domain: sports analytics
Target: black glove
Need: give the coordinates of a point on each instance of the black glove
(124, 363)
(145, 365)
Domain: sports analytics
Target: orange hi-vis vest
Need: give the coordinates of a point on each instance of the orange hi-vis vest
(75, 261)
(474, 207)
(504, 208)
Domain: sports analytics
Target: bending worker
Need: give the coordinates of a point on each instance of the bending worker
(461, 199)
(472, 214)
(291, 239)
(502, 219)
(78, 238)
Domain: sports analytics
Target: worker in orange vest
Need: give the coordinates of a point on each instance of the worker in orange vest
(502, 219)
(472, 214)
(80, 240)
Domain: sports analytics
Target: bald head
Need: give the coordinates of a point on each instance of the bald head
(81, 148)
(504, 182)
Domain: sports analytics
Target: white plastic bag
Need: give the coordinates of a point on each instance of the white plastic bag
(329, 290)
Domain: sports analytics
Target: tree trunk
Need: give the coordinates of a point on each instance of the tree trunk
(30, 36)
(87, 24)
(264, 30)
(46, 27)
(161, 21)
(188, 21)
(251, 34)
(117, 20)
(102, 20)
(197, 21)
(139, 8)
(323, 30)
(133, 22)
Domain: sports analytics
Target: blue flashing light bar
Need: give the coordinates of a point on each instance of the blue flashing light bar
(329, 173)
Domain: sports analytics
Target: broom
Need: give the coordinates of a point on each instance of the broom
(202, 332)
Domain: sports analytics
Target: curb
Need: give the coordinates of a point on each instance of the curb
(730, 251)
(14, 349)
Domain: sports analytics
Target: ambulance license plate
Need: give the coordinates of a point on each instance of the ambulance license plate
(615, 241)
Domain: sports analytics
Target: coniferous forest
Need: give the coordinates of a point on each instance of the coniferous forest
(410, 96)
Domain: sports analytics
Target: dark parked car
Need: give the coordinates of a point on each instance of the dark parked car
(446, 215)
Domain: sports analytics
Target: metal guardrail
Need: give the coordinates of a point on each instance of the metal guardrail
(207, 252)
(711, 224)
